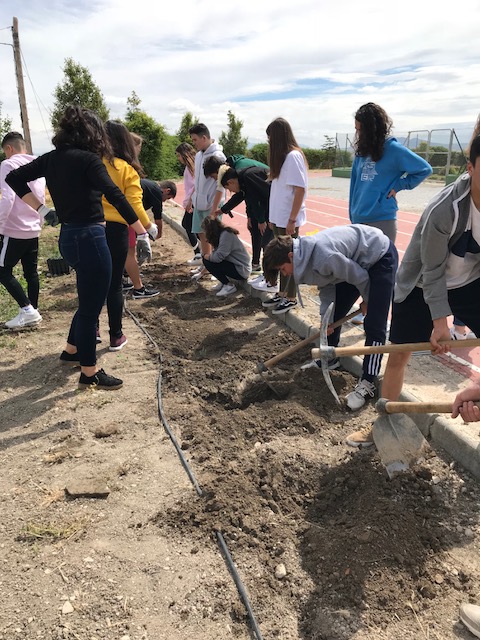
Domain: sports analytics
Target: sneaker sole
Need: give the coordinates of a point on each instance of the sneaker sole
(469, 626)
(118, 348)
(278, 312)
(27, 325)
(83, 385)
(359, 445)
(145, 297)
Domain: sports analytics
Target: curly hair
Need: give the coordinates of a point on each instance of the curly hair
(83, 129)
(375, 128)
(214, 228)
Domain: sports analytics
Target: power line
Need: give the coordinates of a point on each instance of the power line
(37, 97)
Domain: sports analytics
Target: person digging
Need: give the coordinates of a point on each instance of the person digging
(344, 262)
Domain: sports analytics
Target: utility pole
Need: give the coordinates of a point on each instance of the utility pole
(21, 89)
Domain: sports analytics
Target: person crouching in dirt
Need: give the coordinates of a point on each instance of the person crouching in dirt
(345, 262)
(228, 260)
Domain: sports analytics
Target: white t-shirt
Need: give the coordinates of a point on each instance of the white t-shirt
(292, 174)
(463, 263)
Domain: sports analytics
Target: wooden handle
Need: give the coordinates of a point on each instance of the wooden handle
(314, 336)
(419, 407)
(396, 348)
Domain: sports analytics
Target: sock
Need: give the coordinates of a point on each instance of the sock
(28, 308)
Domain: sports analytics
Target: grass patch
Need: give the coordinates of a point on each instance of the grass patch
(35, 532)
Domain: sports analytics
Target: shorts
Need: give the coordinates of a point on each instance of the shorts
(412, 320)
(132, 238)
(199, 216)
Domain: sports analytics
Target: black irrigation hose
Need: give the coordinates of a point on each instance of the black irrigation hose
(220, 539)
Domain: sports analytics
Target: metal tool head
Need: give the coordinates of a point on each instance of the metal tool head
(261, 367)
(324, 350)
(399, 442)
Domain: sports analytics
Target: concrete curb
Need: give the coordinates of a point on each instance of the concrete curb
(456, 441)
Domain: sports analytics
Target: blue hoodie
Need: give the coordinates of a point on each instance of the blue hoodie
(398, 169)
(338, 254)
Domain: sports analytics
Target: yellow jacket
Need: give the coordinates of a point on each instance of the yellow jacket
(128, 181)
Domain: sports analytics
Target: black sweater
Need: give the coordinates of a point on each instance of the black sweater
(76, 180)
(255, 190)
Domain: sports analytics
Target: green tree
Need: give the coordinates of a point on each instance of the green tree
(77, 88)
(153, 135)
(5, 127)
(231, 140)
(187, 122)
(259, 152)
(329, 150)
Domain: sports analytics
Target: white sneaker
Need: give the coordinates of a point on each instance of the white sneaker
(226, 290)
(197, 259)
(198, 275)
(357, 398)
(256, 280)
(456, 335)
(24, 319)
(263, 285)
(470, 616)
(217, 287)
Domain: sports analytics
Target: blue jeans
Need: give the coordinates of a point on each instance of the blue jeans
(85, 249)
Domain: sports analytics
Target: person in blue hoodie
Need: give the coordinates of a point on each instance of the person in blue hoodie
(382, 167)
(344, 262)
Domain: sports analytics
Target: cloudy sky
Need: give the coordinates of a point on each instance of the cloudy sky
(313, 62)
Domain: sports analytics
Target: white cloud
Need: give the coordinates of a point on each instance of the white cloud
(313, 61)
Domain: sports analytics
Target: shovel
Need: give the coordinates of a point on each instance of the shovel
(399, 441)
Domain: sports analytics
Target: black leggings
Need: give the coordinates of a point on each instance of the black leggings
(117, 240)
(187, 225)
(223, 270)
(259, 242)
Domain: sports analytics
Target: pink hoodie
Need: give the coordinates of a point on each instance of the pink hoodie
(17, 219)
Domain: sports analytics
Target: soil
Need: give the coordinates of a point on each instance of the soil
(325, 545)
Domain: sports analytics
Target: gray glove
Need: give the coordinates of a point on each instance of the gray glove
(49, 215)
(144, 250)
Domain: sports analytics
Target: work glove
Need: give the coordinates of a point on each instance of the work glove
(153, 231)
(144, 250)
(49, 215)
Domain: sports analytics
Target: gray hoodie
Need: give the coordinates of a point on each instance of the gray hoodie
(338, 254)
(230, 248)
(204, 193)
(425, 260)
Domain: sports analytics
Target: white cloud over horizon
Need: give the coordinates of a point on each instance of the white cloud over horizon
(312, 62)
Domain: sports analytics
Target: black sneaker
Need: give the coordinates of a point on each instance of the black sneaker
(127, 286)
(69, 357)
(284, 306)
(274, 301)
(100, 380)
(145, 293)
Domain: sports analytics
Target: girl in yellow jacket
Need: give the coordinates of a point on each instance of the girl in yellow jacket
(124, 171)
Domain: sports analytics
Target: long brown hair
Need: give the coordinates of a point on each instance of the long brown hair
(214, 228)
(187, 153)
(280, 142)
(123, 145)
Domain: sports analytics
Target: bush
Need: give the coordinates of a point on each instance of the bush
(259, 152)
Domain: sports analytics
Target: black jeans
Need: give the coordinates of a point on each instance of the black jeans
(85, 249)
(222, 270)
(13, 251)
(117, 240)
(187, 225)
(259, 242)
(382, 281)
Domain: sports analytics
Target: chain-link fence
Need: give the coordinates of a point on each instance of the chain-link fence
(441, 148)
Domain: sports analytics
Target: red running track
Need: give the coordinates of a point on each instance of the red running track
(323, 213)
